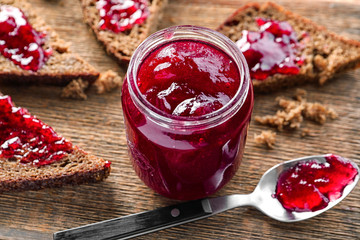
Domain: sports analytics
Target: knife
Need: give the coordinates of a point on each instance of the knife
(150, 221)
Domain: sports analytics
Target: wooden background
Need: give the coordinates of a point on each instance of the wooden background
(97, 126)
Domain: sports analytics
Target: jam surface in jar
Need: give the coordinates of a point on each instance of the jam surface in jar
(310, 185)
(19, 42)
(186, 79)
(273, 49)
(121, 15)
(26, 139)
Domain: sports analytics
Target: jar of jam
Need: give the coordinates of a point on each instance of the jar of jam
(187, 101)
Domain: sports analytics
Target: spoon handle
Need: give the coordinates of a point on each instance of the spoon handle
(141, 223)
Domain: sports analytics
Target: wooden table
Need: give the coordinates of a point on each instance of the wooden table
(97, 126)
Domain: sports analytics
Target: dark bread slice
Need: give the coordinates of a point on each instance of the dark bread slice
(122, 45)
(325, 54)
(62, 66)
(75, 168)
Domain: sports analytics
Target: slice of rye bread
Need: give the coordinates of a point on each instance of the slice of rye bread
(325, 53)
(122, 45)
(62, 66)
(74, 168)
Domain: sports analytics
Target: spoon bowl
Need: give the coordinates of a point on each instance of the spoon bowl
(261, 198)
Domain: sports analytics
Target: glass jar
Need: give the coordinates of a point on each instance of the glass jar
(186, 158)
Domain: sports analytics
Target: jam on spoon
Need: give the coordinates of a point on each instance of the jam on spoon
(273, 49)
(310, 185)
(19, 42)
(121, 15)
(26, 139)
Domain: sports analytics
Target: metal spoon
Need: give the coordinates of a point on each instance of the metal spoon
(150, 221)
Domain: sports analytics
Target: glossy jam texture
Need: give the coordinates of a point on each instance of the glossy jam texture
(310, 185)
(121, 15)
(26, 139)
(273, 49)
(19, 42)
(188, 78)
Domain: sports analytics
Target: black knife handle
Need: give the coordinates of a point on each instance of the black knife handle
(140, 223)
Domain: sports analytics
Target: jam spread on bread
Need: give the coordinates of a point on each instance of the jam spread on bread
(273, 49)
(19, 42)
(310, 186)
(188, 78)
(26, 139)
(121, 15)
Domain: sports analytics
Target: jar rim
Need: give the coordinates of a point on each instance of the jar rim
(188, 32)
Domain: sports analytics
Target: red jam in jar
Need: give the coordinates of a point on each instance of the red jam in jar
(121, 15)
(273, 49)
(310, 185)
(188, 78)
(187, 101)
(19, 42)
(26, 139)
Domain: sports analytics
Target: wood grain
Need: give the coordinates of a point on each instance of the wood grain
(97, 126)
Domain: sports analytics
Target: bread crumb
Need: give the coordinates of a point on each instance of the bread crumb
(61, 46)
(266, 137)
(320, 62)
(75, 89)
(294, 111)
(306, 132)
(318, 112)
(107, 82)
(291, 117)
(173, 20)
(300, 94)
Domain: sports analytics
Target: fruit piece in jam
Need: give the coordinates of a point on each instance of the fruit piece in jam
(26, 139)
(273, 49)
(121, 15)
(310, 185)
(19, 42)
(188, 78)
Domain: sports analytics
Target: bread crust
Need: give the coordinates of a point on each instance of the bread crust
(62, 66)
(343, 53)
(75, 168)
(122, 45)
